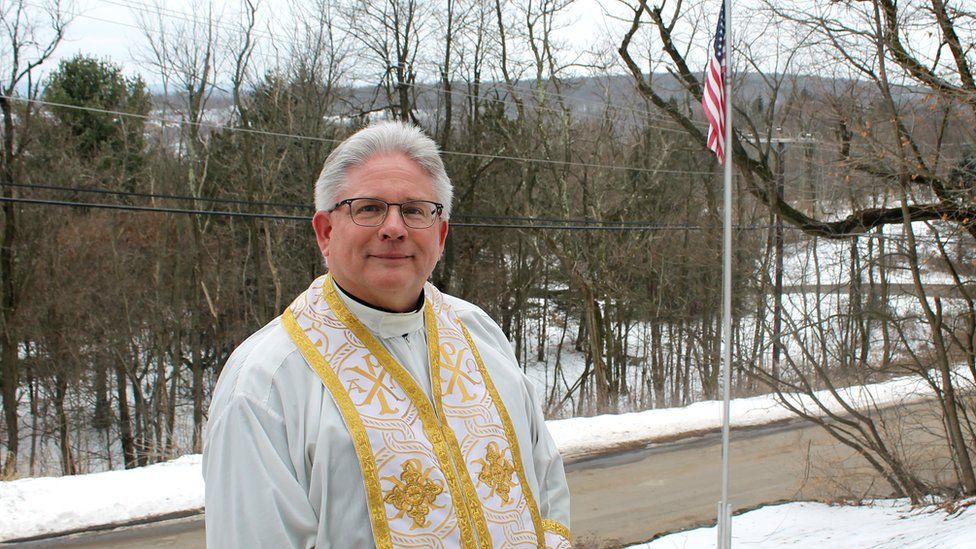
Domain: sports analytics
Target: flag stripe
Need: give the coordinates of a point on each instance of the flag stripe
(713, 97)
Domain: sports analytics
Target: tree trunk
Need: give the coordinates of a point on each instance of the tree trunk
(197, 367)
(68, 466)
(957, 442)
(595, 333)
(125, 421)
(657, 365)
(9, 362)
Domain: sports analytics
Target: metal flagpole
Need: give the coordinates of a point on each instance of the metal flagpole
(724, 507)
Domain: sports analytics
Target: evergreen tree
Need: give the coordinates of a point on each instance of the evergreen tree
(100, 131)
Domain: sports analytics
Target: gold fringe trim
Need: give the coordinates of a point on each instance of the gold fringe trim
(512, 439)
(374, 494)
(471, 499)
(558, 528)
(426, 413)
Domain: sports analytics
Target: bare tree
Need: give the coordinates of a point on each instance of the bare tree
(30, 37)
(185, 53)
(391, 34)
(757, 172)
(887, 145)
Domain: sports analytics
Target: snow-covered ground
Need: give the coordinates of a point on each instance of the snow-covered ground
(37, 506)
(579, 437)
(884, 524)
(809, 261)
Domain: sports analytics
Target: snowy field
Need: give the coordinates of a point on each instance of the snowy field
(884, 524)
(37, 506)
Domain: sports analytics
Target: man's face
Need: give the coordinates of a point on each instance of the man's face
(387, 265)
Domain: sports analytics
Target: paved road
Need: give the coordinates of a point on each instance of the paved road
(632, 496)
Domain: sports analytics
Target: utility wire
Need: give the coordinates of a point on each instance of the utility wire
(465, 225)
(164, 121)
(594, 115)
(76, 189)
(173, 14)
(60, 188)
(261, 215)
(133, 208)
(213, 126)
(189, 18)
(504, 218)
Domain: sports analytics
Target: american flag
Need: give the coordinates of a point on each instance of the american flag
(713, 99)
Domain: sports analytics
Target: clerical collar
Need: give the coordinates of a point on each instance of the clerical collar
(382, 322)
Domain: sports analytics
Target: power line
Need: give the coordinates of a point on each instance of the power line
(134, 208)
(76, 189)
(567, 225)
(564, 225)
(570, 221)
(175, 14)
(213, 126)
(38, 186)
(163, 121)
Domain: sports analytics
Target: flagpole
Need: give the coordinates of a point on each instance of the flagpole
(725, 508)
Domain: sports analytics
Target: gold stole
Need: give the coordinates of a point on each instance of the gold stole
(447, 475)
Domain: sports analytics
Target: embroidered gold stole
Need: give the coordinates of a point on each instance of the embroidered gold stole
(441, 474)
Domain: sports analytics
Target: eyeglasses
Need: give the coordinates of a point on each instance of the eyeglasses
(371, 212)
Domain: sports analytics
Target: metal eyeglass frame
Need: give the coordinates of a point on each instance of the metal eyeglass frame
(438, 210)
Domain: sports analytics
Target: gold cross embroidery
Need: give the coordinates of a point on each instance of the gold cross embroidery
(375, 374)
(458, 376)
(413, 493)
(496, 472)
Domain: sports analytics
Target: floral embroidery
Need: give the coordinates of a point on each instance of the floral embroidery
(496, 472)
(413, 493)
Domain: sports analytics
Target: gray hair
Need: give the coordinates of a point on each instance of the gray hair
(377, 138)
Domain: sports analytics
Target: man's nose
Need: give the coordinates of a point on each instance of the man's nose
(393, 226)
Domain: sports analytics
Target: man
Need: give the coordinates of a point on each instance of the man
(377, 411)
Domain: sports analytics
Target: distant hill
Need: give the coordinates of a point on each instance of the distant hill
(586, 95)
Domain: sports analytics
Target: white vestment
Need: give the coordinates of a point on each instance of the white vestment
(280, 466)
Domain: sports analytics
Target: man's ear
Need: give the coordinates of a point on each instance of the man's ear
(322, 224)
(443, 234)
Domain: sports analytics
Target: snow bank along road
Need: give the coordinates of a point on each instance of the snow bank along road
(49, 507)
(630, 496)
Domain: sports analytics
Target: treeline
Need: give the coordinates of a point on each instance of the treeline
(134, 312)
(587, 224)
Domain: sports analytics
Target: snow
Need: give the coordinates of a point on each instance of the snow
(37, 506)
(580, 437)
(884, 524)
(807, 261)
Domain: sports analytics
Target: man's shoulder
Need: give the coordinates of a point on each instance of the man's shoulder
(497, 353)
(474, 316)
(266, 358)
(465, 308)
(482, 327)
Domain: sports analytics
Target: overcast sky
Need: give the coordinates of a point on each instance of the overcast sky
(110, 28)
